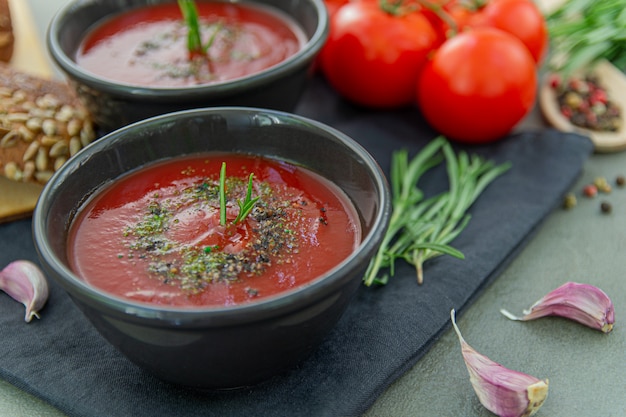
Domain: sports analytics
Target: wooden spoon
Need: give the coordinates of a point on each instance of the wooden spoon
(614, 82)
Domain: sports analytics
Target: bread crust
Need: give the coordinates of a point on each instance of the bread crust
(7, 39)
(42, 124)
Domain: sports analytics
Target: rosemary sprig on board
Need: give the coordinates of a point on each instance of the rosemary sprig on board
(422, 228)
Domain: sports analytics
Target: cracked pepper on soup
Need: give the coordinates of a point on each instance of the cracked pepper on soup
(171, 233)
(147, 46)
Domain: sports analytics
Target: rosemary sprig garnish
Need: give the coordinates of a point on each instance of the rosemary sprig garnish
(422, 228)
(245, 206)
(582, 32)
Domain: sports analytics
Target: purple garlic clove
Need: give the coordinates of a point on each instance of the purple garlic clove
(24, 282)
(502, 391)
(583, 303)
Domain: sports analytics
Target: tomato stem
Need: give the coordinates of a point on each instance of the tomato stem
(473, 5)
(401, 8)
(397, 8)
(441, 13)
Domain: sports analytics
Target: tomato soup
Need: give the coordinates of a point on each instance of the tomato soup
(148, 46)
(168, 234)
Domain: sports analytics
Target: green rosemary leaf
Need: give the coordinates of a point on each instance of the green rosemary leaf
(487, 177)
(438, 248)
(211, 40)
(405, 195)
(398, 168)
(423, 228)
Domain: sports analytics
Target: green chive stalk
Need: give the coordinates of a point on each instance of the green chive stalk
(222, 191)
(194, 33)
(194, 36)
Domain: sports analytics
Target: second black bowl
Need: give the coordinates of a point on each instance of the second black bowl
(114, 105)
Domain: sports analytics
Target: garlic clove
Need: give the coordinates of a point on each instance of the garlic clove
(583, 303)
(502, 391)
(24, 282)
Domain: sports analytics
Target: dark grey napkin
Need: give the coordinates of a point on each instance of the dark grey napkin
(385, 330)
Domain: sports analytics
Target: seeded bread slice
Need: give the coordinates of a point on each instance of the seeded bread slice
(42, 124)
(7, 39)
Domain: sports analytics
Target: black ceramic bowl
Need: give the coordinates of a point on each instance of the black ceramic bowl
(114, 104)
(221, 347)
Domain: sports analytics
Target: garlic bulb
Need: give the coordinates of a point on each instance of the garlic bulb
(583, 303)
(24, 282)
(502, 391)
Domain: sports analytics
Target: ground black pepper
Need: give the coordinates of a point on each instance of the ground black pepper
(192, 268)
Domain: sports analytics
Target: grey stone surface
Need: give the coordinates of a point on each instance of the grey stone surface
(586, 369)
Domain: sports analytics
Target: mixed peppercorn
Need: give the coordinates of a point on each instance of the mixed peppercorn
(585, 103)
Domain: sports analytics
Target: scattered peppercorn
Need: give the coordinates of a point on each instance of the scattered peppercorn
(569, 201)
(606, 207)
(590, 190)
(620, 180)
(598, 181)
(602, 184)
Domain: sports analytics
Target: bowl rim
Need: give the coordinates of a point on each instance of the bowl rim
(292, 64)
(294, 299)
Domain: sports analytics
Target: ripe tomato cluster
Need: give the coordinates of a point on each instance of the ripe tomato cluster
(469, 65)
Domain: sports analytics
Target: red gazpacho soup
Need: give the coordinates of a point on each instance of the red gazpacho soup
(171, 233)
(148, 46)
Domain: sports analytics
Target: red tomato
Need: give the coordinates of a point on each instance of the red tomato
(478, 85)
(521, 18)
(333, 5)
(373, 58)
